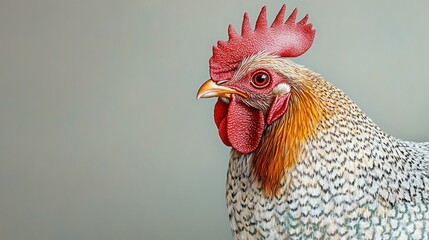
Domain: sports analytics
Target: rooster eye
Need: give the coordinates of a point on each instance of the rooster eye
(260, 79)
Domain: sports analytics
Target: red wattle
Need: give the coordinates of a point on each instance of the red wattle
(239, 125)
(220, 113)
(223, 133)
(245, 126)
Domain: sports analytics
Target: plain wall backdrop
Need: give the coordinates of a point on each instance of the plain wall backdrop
(100, 133)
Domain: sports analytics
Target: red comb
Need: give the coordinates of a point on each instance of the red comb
(288, 39)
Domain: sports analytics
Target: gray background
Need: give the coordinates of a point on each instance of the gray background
(100, 133)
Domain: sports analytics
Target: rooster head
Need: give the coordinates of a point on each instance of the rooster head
(252, 79)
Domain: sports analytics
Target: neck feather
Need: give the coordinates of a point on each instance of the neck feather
(282, 143)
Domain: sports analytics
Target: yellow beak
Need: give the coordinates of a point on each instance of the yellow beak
(211, 89)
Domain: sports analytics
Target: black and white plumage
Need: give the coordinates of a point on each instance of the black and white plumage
(352, 181)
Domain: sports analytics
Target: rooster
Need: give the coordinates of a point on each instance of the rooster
(306, 162)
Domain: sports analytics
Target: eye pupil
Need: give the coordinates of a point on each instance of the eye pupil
(260, 80)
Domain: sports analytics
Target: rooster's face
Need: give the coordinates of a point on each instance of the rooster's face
(256, 96)
(251, 79)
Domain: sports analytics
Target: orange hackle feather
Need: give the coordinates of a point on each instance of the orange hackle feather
(282, 143)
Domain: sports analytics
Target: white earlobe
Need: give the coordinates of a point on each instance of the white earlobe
(281, 89)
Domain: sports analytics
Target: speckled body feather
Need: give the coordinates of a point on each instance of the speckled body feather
(351, 181)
